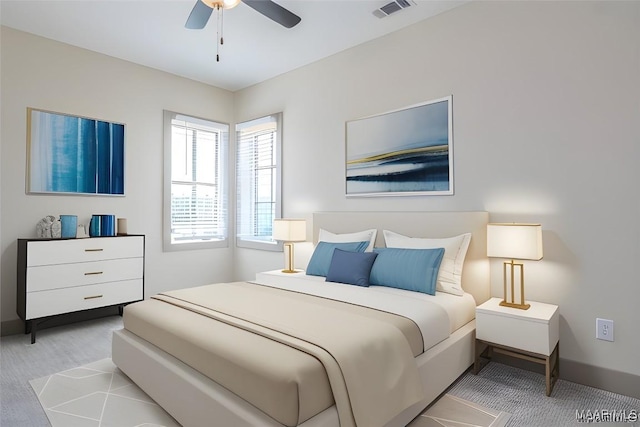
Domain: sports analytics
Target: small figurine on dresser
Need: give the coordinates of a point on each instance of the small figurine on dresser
(48, 227)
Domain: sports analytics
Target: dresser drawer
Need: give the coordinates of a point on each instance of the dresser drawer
(47, 277)
(51, 302)
(49, 252)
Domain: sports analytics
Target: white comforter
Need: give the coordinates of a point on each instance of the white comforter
(430, 317)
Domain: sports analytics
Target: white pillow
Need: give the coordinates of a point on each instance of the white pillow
(455, 249)
(361, 236)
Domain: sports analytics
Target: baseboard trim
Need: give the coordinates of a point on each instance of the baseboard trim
(16, 326)
(11, 327)
(602, 378)
(581, 373)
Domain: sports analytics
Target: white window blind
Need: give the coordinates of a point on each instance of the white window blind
(258, 181)
(195, 194)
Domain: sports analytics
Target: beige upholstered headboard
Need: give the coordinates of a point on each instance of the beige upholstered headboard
(475, 275)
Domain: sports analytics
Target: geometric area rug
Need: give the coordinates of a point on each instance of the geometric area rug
(97, 394)
(451, 411)
(100, 395)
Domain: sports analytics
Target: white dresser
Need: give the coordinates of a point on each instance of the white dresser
(59, 276)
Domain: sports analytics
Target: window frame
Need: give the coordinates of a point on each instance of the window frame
(275, 246)
(223, 186)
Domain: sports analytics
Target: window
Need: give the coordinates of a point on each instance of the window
(195, 209)
(258, 181)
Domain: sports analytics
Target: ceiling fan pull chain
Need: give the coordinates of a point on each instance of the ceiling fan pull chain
(218, 38)
(222, 25)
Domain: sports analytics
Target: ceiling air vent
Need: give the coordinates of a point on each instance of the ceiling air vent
(393, 7)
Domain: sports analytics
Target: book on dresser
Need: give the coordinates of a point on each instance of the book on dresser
(61, 276)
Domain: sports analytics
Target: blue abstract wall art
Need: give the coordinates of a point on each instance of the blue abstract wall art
(74, 155)
(401, 153)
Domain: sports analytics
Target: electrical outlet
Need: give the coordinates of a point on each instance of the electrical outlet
(604, 329)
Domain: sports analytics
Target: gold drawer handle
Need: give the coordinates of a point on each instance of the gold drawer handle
(92, 273)
(93, 297)
(93, 250)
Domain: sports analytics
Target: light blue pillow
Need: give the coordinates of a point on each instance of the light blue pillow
(411, 269)
(353, 268)
(321, 258)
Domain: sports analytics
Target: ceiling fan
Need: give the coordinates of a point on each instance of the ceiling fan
(202, 11)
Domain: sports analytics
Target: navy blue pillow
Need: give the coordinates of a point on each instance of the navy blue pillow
(353, 268)
(321, 258)
(411, 269)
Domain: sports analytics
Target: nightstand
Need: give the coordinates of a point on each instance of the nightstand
(531, 335)
(275, 277)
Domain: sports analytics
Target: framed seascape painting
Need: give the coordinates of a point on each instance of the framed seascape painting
(401, 153)
(74, 155)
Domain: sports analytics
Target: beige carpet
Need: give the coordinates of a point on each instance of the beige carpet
(99, 395)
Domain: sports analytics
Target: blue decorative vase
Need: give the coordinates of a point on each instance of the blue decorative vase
(95, 226)
(69, 225)
(102, 226)
(108, 225)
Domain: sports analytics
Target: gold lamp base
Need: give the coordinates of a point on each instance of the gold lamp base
(288, 246)
(511, 265)
(515, 305)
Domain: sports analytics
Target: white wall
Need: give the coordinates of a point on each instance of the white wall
(546, 129)
(40, 73)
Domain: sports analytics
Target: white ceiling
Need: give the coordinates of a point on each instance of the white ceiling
(152, 33)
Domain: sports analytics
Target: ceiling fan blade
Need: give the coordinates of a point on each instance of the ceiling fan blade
(199, 16)
(274, 11)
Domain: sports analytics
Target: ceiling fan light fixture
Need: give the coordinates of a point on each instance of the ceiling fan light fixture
(221, 4)
(230, 4)
(203, 9)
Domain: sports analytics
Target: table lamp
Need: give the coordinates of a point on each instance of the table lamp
(514, 241)
(289, 230)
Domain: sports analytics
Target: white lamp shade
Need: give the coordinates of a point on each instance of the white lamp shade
(290, 230)
(514, 241)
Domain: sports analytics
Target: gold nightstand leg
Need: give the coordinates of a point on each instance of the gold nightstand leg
(481, 349)
(552, 369)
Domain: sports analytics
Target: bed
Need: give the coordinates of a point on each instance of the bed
(206, 383)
